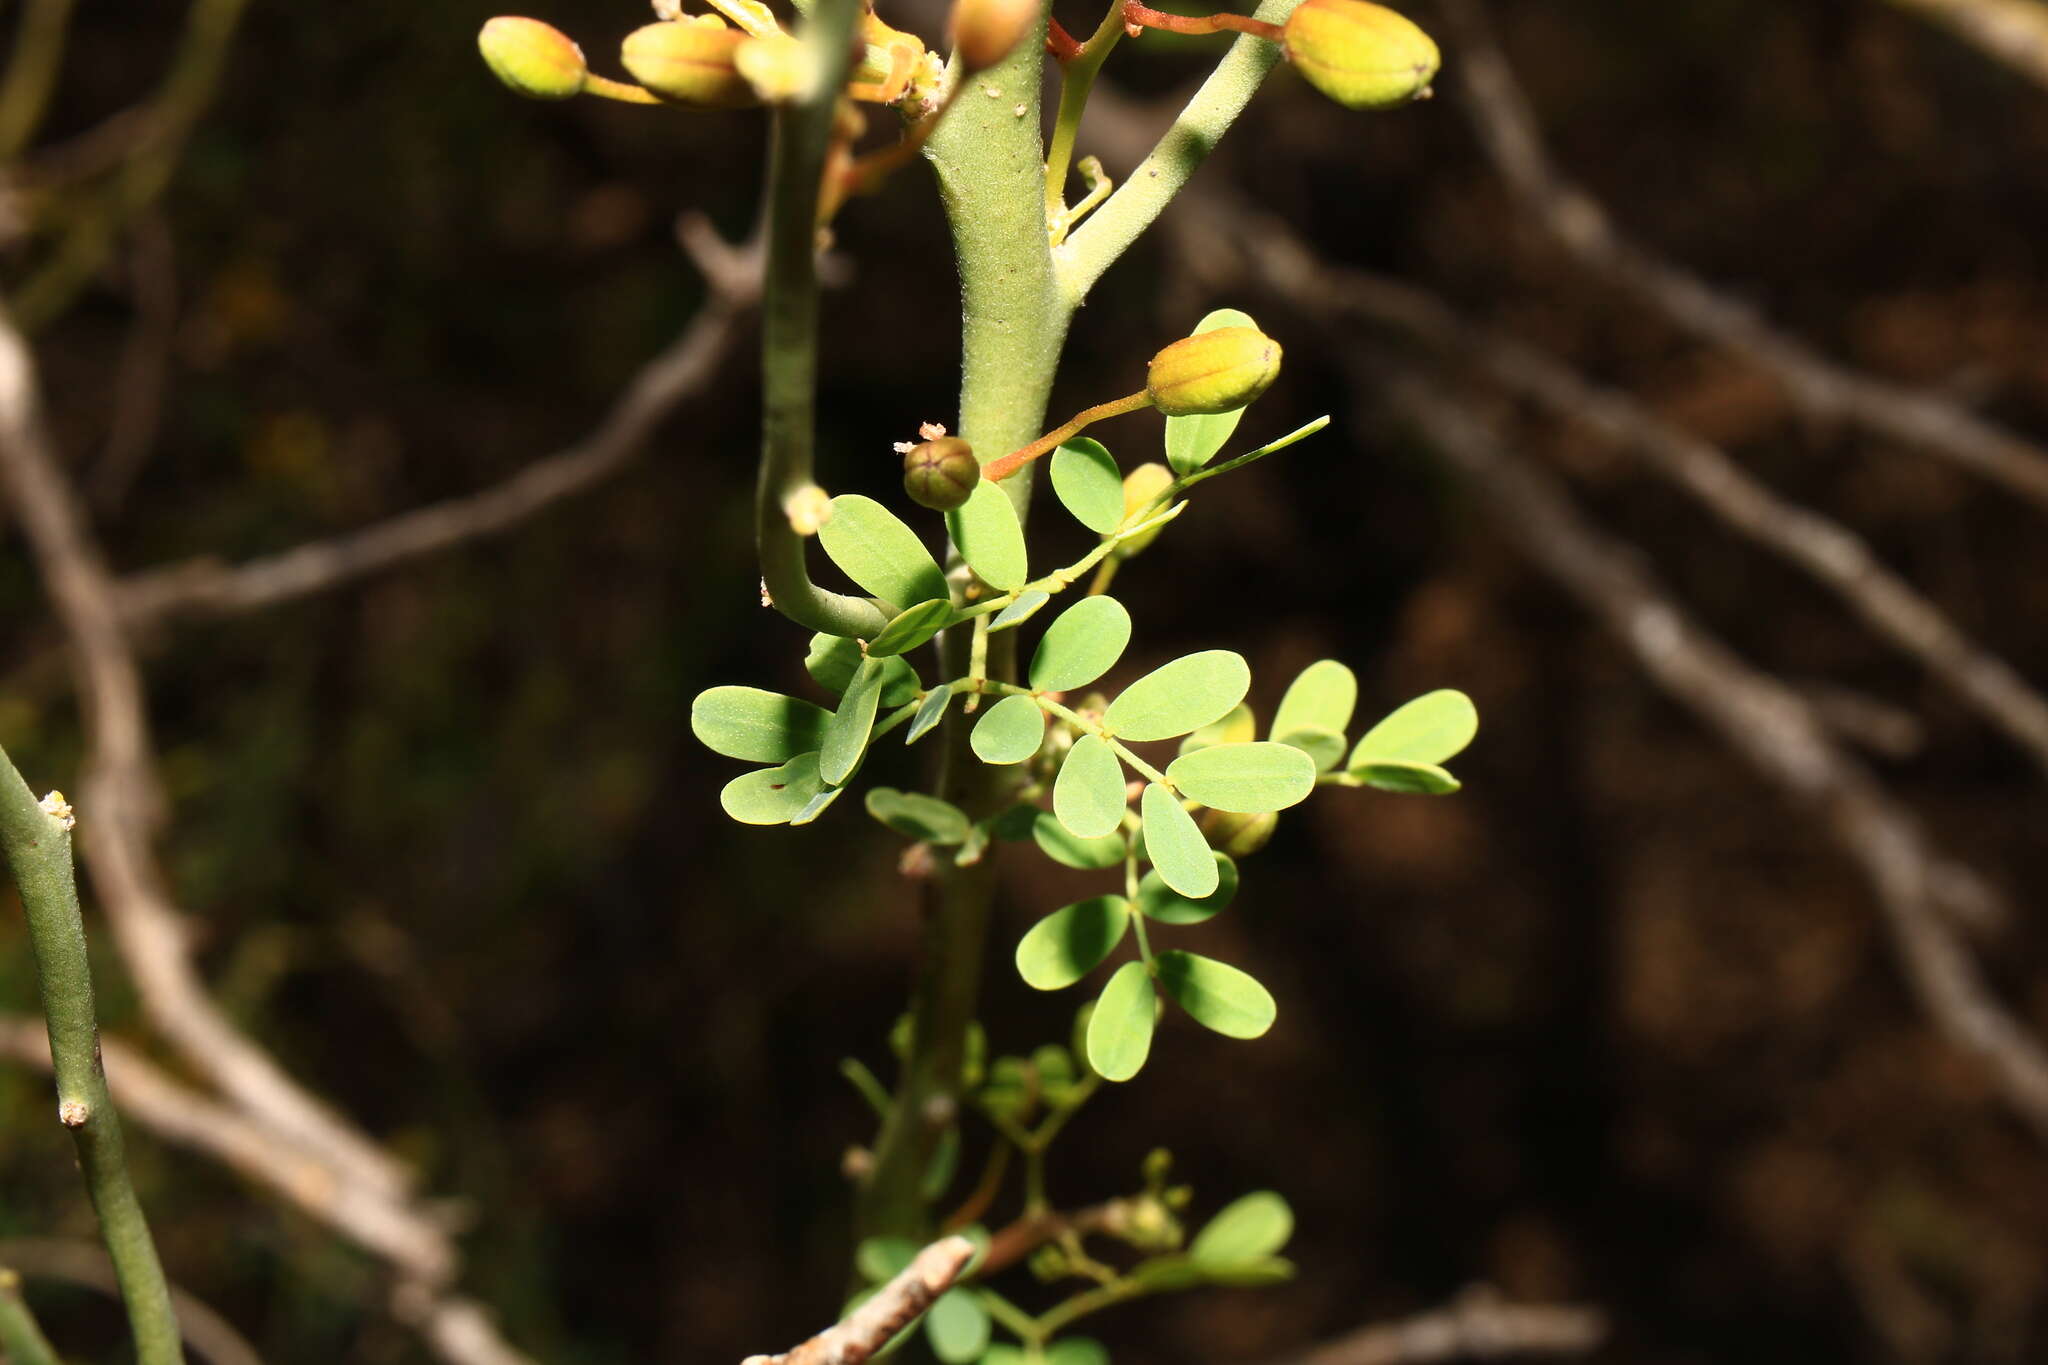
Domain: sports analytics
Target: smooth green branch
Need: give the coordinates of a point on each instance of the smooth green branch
(1080, 261)
(789, 341)
(36, 836)
(20, 1338)
(1077, 80)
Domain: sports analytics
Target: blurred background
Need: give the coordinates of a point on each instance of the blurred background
(1631, 1022)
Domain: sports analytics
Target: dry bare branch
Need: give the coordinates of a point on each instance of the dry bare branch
(869, 1327)
(1507, 128)
(2011, 31)
(1477, 1325)
(1758, 716)
(683, 370)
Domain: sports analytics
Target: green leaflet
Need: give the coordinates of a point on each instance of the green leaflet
(846, 738)
(1217, 995)
(1176, 698)
(1175, 845)
(876, 550)
(1008, 732)
(1019, 611)
(1088, 484)
(1420, 779)
(1081, 645)
(1325, 748)
(912, 628)
(1322, 695)
(1158, 901)
(1246, 779)
(957, 1326)
(1120, 1029)
(930, 712)
(1072, 942)
(990, 537)
(833, 659)
(1428, 730)
(1248, 1230)
(1058, 844)
(1088, 795)
(919, 816)
(756, 726)
(1238, 727)
(773, 796)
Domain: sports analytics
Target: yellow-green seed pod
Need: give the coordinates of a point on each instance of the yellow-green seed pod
(1141, 486)
(689, 61)
(1239, 836)
(940, 474)
(537, 60)
(1363, 56)
(1217, 371)
(986, 31)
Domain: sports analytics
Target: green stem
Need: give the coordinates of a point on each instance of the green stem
(1076, 82)
(31, 73)
(1110, 231)
(1062, 1315)
(789, 341)
(37, 843)
(20, 1337)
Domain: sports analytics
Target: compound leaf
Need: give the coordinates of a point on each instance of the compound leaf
(1082, 645)
(1184, 695)
(1428, 730)
(1246, 779)
(873, 547)
(1072, 942)
(1216, 994)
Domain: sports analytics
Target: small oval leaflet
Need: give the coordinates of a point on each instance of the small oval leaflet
(1324, 747)
(1239, 727)
(1176, 698)
(1062, 846)
(1081, 645)
(873, 547)
(1323, 695)
(756, 726)
(1217, 995)
(884, 1258)
(919, 816)
(833, 659)
(1179, 853)
(817, 805)
(1076, 1351)
(911, 629)
(773, 796)
(1245, 779)
(1416, 779)
(930, 712)
(1158, 901)
(1428, 730)
(1192, 442)
(846, 738)
(1249, 1229)
(1088, 795)
(957, 1325)
(990, 538)
(1120, 1029)
(1072, 942)
(1088, 484)
(1008, 732)
(1019, 611)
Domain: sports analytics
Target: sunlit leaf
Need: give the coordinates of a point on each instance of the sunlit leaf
(1081, 645)
(957, 1325)
(1088, 795)
(834, 658)
(1428, 730)
(1088, 484)
(1325, 748)
(1248, 779)
(1120, 1029)
(773, 796)
(755, 726)
(1019, 611)
(1008, 732)
(1192, 442)
(990, 538)
(1072, 942)
(846, 738)
(817, 805)
(929, 713)
(1216, 994)
(873, 547)
(1322, 695)
(1420, 779)
(884, 1258)
(910, 629)
(1063, 846)
(1238, 727)
(1259, 1274)
(1181, 696)
(919, 816)
(1161, 902)
(1179, 853)
(1249, 1229)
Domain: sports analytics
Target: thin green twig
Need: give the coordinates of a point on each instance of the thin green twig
(1076, 83)
(20, 1337)
(31, 73)
(37, 840)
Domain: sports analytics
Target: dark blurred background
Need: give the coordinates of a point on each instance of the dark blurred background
(1616, 1025)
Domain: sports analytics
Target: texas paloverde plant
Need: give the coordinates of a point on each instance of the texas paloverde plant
(1030, 755)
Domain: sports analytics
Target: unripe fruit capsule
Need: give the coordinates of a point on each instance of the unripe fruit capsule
(940, 474)
(537, 60)
(689, 61)
(1362, 55)
(1217, 371)
(1141, 486)
(986, 31)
